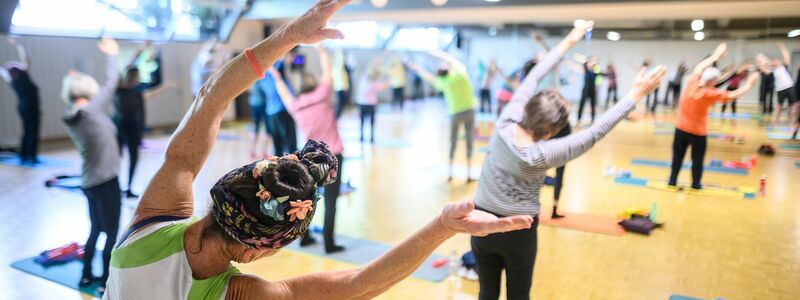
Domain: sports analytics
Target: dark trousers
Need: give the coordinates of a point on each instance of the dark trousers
(514, 251)
(368, 112)
(652, 106)
(486, 100)
(104, 211)
(675, 89)
(129, 133)
(612, 90)
(331, 194)
(467, 119)
(397, 97)
(733, 106)
(590, 94)
(343, 101)
(283, 131)
(765, 97)
(567, 130)
(680, 144)
(31, 123)
(258, 115)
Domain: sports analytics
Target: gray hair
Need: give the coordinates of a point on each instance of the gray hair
(78, 85)
(546, 114)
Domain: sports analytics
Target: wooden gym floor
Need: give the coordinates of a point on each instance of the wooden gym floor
(709, 247)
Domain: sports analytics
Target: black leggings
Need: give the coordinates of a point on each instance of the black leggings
(675, 89)
(652, 106)
(589, 93)
(732, 102)
(331, 194)
(486, 100)
(766, 98)
(283, 132)
(397, 97)
(104, 210)
(612, 90)
(567, 130)
(368, 111)
(679, 146)
(31, 124)
(344, 100)
(514, 251)
(130, 134)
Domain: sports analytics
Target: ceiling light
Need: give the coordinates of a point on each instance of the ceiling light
(439, 2)
(698, 25)
(379, 3)
(613, 36)
(794, 33)
(699, 36)
(492, 0)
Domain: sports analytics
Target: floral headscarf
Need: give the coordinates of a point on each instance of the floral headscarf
(253, 216)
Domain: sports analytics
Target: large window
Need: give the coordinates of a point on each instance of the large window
(421, 38)
(181, 20)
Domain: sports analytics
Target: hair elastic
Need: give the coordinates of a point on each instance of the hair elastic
(253, 63)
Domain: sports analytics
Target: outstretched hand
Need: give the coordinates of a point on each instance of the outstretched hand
(580, 30)
(311, 27)
(646, 83)
(462, 217)
(721, 50)
(108, 46)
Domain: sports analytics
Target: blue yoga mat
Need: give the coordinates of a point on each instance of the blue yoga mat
(67, 274)
(360, 252)
(45, 163)
(707, 168)
(779, 136)
(740, 116)
(790, 146)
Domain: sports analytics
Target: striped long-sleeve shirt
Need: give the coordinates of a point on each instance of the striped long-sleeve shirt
(513, 175)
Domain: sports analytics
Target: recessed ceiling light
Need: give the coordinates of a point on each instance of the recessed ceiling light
(794, 33)
(379, 3)
(439, 2)
(492, 0)
(699, 36)
(613, 36)
(698, 25)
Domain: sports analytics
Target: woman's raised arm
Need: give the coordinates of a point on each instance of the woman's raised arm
(170, 191)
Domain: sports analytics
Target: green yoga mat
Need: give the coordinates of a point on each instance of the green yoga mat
(67, 274)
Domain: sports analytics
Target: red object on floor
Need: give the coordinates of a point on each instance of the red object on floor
(439, 262)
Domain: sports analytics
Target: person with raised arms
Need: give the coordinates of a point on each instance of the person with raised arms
(259, 208)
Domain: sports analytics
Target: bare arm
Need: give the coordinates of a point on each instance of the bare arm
(454, 62)
(325, 64)
(110, 48)
(170, 190)
(540, 41)
(424, 74)
(21, 53)
(751, 81)
(386, 271)
(708, 62)
(787, 58)
(283, 91)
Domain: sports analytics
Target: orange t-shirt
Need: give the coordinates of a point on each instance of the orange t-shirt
(694, 103)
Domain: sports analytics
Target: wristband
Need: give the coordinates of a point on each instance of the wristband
(253, 63)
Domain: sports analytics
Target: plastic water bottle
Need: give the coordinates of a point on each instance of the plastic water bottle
(762, 186)
(453, 264)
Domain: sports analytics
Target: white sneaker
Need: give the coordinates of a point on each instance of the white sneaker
(472, 275)
(463, 272)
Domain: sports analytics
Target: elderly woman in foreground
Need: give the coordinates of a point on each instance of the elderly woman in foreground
(258, 208)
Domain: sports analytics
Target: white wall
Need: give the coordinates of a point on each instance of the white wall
(52, 56)
(627, 56)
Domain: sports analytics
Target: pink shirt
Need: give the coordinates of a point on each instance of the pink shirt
(368, 92)
(315, 117)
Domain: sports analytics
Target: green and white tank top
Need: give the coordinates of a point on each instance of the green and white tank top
(151, 264)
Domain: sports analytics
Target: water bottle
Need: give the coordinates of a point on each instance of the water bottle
(454, 262)
(762, 186)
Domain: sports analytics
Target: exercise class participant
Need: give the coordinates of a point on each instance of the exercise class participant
(95, 136)
(674, 85)
(397, 78)
(257, 209)
(589, 87)
(282, 126)
(452, 80)
(733, 81)
(341, 82)
(367, 97)
(487, 77)
(784, 83)
(690, 122)
(317, 120)
(766, 90)
(17, 73)
(129, 110)
(257, 100)
(611, 73)
(521, 151)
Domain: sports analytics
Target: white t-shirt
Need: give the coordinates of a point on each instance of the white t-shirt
(783, 80)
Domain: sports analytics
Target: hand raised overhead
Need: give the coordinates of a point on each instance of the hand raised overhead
(311, 27)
